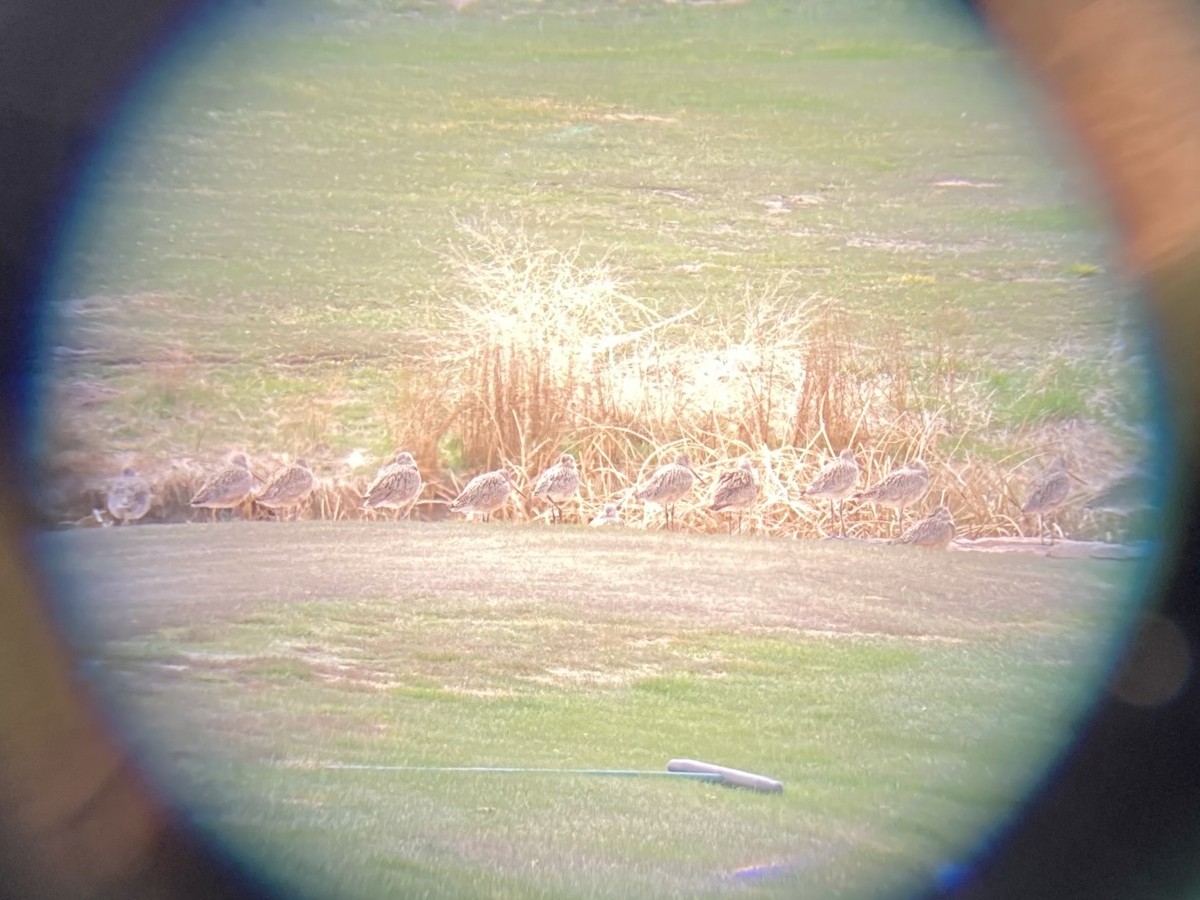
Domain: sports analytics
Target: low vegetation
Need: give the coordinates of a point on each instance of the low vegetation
(904, 714)
(538, 353)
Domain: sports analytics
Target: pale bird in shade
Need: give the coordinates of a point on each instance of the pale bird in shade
(610, 515)
(395, 486)
(484, 494)
(287, 488)
(128, 497)
(1048, 493)
(558, 483)
(902, 487)
(935, 530)
(835, 482)
(736, 491)
(226, 488)
(667, 484)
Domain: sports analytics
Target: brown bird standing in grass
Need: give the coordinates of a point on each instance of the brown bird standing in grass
(935, 530)
(227, 487)
(1047, 493)
(557, 483)
(836, 481)
(128, 497)
(287, 488)
(901, 488)
(667, 485)
(484, 494)
(395, 486)
(736, 491)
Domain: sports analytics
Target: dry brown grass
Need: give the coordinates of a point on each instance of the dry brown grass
(542, 352)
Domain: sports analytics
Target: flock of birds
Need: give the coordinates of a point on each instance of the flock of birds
(398, 485)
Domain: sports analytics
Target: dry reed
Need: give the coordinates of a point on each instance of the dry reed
(542, 352)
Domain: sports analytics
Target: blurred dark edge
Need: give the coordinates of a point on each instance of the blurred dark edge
(1119, 818)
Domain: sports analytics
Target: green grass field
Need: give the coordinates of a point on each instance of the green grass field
(261, 254)
(903, 713)
(263, 260)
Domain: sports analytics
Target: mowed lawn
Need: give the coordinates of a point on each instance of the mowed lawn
(261, 256)
(906, 699)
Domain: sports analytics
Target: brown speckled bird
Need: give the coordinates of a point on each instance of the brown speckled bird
(484, 494)
(557, 483)
(287, 488)
(901, 488)
(395, 486)
(667, 484)
(1048, 492)
(227, 487)
(935, 530)
(736, 491)
(836, 481)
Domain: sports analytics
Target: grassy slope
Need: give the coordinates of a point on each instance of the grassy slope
(902, 713)
(264, 239)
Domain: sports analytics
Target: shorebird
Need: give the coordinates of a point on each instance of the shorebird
(836, 481)
(484, 494)
(287, 488)
(901, 488)
(395, 486)
(128, 497)
(227, 487)
(667, 485)
(935, 530)
(1047, 493)
(558, 482)
(736, 490)
(610, 515)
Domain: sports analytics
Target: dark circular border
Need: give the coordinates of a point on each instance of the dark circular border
(1119, 817)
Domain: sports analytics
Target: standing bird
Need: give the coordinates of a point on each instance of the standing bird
(736, 490)
(901, 488)
(610, 515)
(667, 485)
(485, 494)
(836, 481)
(395, 486)
(287, 488)
(557, 483)
(1047, 493)
(935, 530)
(128, 497)
(227, 487)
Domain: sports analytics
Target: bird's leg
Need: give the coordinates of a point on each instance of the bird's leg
(556, 515)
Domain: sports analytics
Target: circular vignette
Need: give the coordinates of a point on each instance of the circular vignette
(1117, 818)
